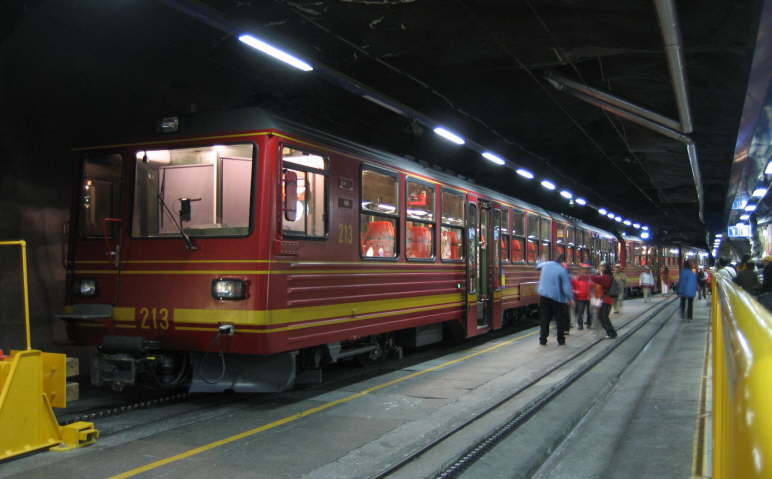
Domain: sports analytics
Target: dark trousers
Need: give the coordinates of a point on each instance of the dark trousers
(684, 301)
(702, 290)
(550, 309)
(581, 307)
(605, 308)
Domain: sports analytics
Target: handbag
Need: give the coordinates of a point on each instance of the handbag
(613, 290)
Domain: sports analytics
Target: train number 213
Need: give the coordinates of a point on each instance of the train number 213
(345, 234)
(154, 318)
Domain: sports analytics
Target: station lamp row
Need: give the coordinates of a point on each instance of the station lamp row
(441, 131)
(716, 243)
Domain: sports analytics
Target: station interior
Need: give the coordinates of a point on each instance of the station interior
(650, 119)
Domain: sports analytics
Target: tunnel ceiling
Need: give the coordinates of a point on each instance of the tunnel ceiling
(99, 71)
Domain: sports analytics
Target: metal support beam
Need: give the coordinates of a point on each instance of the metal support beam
(671, 36)
(560, 83)
(691, 149)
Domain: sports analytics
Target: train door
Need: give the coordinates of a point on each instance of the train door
(479, 289)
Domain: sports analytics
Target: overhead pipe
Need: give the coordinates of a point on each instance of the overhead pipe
(691, 148)
(671, 36)
(558, 82)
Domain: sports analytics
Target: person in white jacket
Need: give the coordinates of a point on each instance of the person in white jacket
(646, 282)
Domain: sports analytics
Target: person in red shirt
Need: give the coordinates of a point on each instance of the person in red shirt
(605, 280)
(581, 286)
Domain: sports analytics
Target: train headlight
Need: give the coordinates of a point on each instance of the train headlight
(84, 287)
(229, 288)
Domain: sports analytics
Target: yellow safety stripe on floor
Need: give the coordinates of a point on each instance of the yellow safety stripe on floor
(309, 412)
(700, 441)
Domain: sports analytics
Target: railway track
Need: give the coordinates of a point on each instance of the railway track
(480, 447)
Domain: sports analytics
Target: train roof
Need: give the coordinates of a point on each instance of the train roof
(192, 125)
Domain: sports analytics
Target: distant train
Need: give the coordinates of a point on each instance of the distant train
(237, 250)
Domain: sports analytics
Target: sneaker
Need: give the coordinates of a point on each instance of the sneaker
(543, 342)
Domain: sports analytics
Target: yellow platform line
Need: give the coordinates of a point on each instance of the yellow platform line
(308, 412)
(700, 441)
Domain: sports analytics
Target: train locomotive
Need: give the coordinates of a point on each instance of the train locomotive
(239, 251)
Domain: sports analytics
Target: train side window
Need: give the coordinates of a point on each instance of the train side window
(452, 229)
(306, 173)
(561, 238)
(504, 235)
(533, 238)
(518, 236)
(100, 194)
(419, 219)
(379, 212)
(546, 231)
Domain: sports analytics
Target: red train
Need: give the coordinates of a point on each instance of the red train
(235, 250)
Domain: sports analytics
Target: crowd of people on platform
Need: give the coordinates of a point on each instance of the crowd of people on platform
(593, 295)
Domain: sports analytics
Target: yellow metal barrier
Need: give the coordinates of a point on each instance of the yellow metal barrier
(742, 383)
(31, 382)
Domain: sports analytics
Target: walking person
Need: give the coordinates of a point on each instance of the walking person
(555, 296)
(646, 282)
(581, 287)
(606, 281)
(621, 279)
(687, 289)
(702, 284)
(665, 280)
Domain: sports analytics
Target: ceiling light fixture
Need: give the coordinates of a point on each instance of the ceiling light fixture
(611, 215)
(524, 173)
(548, 184)
(275, 52)
(602, 211)
(750, 208)
(745, 217)
(636, 225)
(645, 228)
(618, 219)
(759, 192)
(581, 201)
(449, 135)
(566, 194)
(645, 235)
(628, 222)
(494, 158)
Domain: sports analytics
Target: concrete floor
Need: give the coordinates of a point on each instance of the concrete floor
(360, 428)
(642, 425)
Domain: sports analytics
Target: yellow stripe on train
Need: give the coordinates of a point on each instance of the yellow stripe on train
(311, 313)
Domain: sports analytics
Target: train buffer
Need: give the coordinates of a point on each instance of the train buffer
(32, 382)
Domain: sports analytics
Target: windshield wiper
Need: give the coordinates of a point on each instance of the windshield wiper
(188, 242)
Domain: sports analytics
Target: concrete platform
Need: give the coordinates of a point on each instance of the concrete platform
(361, 428)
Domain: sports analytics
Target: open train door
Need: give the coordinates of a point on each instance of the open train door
(479, 264)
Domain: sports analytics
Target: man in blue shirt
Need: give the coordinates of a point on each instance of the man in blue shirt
(687, 288)
(555, 296)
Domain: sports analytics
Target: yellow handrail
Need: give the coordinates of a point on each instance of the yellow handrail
(23, 245)
(742, 383)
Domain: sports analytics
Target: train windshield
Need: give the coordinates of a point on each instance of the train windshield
(203, 191)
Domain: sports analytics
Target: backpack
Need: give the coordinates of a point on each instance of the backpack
(613, 290)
